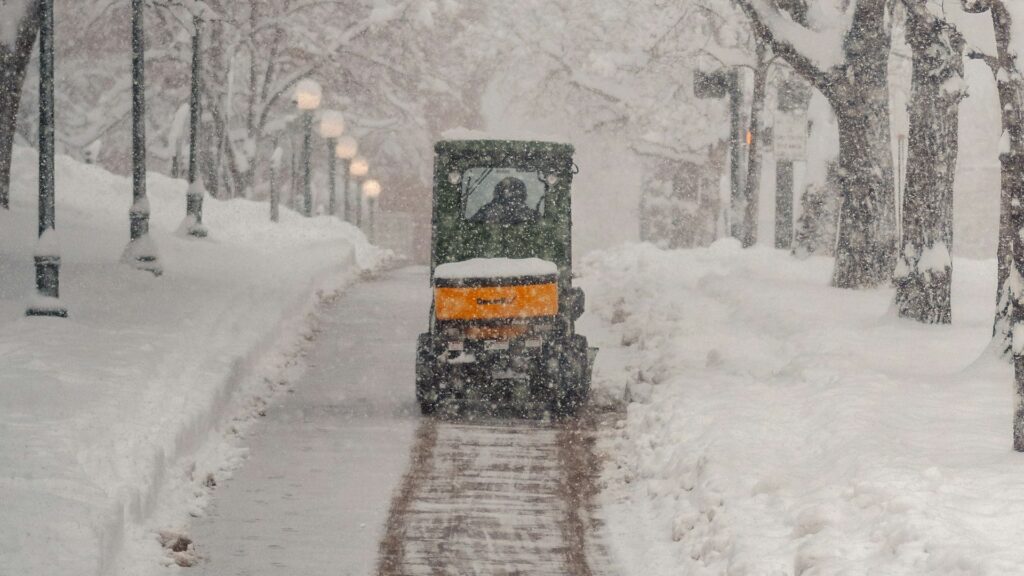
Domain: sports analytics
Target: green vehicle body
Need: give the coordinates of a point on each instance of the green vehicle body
(456, 238)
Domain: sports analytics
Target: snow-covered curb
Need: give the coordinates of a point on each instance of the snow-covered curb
(101, 413)
(208, 450)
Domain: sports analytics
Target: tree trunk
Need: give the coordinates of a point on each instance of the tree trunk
(1004, 261)
(1010, 86)
(13, 64)
(1011, 100)
(753, 183)
(1011, 95)
(1009, 300)
(1013, 184)
(866, 251)
(858, 91)
(925, 270)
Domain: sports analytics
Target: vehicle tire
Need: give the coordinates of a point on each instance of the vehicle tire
(426, 376)
(574, 369)
(573, 387)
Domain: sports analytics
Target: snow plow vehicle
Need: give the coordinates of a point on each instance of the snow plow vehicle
(502, 328)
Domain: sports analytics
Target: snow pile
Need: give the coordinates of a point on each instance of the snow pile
(495, 268)
(11, 14)
(779, 426)
(102, 414)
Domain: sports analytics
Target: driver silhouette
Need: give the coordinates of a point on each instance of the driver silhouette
(508, 206)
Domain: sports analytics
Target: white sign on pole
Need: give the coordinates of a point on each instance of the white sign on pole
(790, 136)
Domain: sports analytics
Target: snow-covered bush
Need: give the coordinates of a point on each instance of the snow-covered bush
(819, 214)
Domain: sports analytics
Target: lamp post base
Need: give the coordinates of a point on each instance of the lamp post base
(46, 301)
(193, 224)
(141, 254)
(47, 311)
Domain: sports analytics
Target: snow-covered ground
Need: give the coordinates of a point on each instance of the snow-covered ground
(314, 494)
(120, 411)
(779, 426)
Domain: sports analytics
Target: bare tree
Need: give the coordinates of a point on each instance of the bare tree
(1010, 300)
(14, 59)
(925, 270)
(1011, 158)
(856, 85)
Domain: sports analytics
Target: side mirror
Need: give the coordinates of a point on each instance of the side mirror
(575, 303)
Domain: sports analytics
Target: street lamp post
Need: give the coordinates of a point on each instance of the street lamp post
(359, 169)
(141, 251)
(346, 150)
(47, 256)
(332, 126)
(196, 191)
(307, 97)
(371, 190)
(275, 192)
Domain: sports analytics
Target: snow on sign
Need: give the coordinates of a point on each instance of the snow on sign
(790, 136)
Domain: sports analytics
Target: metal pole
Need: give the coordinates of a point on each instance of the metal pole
(307, 143)
(275, 200)
(784, 204)
(332, 170)
(275, 193)
(346, 201)
(899, 188)
(140, 253)
(196, 191)
(293, 186)
(736, 194)
(372, 218)
(359, 209)
(47, 258)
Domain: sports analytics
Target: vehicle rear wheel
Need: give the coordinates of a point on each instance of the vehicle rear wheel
(426, 376)
(573, 386)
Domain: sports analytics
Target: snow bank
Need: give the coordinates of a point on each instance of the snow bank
(779, 426)
(102, 414)
(495, 268)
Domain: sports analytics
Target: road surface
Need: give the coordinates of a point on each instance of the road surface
(345, 478)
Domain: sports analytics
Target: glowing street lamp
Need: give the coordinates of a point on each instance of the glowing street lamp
(308, 95)
(346, 150)
(371, 190)
(360, 167)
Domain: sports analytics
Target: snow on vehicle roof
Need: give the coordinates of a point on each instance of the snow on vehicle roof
(467, 134)
(495, 268)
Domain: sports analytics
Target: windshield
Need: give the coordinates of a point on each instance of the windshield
(502, 195)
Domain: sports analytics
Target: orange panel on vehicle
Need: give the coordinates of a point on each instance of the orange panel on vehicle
(493, 302)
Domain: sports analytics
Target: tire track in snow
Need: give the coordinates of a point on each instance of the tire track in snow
(495, 497)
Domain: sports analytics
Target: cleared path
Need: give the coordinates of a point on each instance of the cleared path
(344, 477)
(313, 497)
(496, 497)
